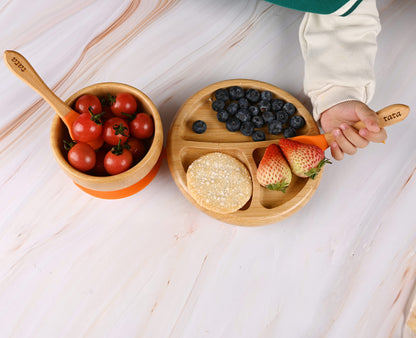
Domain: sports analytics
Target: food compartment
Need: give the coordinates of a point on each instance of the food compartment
(189, 154)
(270, 199)
(199, 107)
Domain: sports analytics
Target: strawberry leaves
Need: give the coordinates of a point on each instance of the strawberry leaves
(280, 186)
(312, 173)
(274, 172)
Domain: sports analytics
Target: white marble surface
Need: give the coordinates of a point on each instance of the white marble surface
(152, 265)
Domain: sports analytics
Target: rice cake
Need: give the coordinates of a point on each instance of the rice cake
(219, 182)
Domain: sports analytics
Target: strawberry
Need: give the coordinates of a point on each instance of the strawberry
(305, 160)
(273, 171)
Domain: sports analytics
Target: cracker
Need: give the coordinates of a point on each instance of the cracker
(219, 182)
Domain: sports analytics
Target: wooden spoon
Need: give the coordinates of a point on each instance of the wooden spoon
(24, 70)
(386, 117)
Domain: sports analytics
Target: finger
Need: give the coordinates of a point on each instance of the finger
(379, 137)
(369, 118)
(336, 152)
(353, 136)
(343, 142)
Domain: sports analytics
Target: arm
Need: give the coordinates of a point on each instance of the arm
(339, 55)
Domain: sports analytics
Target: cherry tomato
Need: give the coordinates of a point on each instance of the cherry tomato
(118, 160)
(124, 103)
(137, 148)
(86, 101)
(86, 127)
(82, 157)
(115, 129)
(142, 126)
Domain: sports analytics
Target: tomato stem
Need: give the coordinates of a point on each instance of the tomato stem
(105, 101)
(129, 116)
(118, 149)
(96, 117)
(119, 129)
(69, 144)
(111, 99)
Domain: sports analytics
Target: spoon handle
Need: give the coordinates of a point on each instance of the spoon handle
(386, 117)
(18, 64)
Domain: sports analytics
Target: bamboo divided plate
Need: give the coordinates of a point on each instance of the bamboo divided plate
(184, 146)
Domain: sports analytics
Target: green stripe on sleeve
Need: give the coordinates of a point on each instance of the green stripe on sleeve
(352, 8)
(312, 6)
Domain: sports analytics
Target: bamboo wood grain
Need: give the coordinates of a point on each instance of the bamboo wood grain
(184, 146)
(21, 67)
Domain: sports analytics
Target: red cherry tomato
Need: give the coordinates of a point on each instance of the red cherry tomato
(86, 127)
(115, 129)
(117, 161)
(124, 103)
(82, 157)
(142, 126)
(86, 101)
(137, 148)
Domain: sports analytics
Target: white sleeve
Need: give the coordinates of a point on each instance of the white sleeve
(339, 53)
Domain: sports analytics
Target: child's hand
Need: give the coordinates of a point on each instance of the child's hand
(338, 120)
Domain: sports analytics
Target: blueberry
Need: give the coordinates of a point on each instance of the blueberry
(289, 132)
(277, 104)
(258, 135)
(282, 116)
(289, 108)
(253, 95)
(233, 124)
(275, 127)
(222, 115)
(243, 115)
(199, 126)
(257, 121)
(254, 110)
(217, 105)
(264, 105)
(266, 95)
(232, 108)
(268, 116)
(243, 103)
(236, 92)
(222, 94)
(247, 128)
(297, 121)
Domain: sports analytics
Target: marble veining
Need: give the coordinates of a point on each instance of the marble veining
(153, 265)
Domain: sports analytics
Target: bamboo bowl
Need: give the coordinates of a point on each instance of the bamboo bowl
(184, 146)
(128, 182)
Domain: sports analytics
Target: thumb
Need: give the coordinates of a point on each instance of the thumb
(369, 117)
